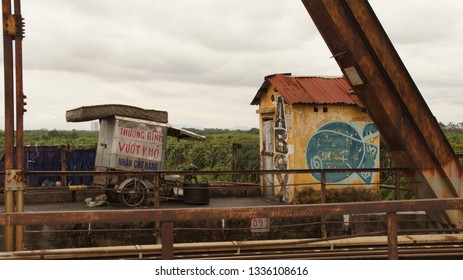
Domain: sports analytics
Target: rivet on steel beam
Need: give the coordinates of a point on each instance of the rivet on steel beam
(21, 30)
(340, 54)
(9, 25)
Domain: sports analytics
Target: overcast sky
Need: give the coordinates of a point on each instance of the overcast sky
(204, 60)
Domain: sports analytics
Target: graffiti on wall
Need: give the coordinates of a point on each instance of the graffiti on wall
(281, 148)
(339, 145)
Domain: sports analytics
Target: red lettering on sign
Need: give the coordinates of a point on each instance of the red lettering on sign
(129, 148)
(154, 136)
(132, 133)
(151, 152)
(121, 146)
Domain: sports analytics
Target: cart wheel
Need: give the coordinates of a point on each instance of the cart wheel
(133, 194)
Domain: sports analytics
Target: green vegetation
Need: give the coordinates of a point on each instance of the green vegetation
(216, 153)
(43, 137)
(454, 133)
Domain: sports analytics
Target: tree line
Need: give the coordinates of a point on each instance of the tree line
(217, 152)
(454, 133)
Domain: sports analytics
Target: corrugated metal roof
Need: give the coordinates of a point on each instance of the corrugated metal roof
(310, 90)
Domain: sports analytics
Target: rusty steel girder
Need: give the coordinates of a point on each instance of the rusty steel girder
(381, 81)
(13, 33)
(201, 214)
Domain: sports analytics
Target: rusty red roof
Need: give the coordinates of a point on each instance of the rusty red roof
(310, 90)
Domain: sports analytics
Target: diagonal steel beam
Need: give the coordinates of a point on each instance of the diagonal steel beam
(379, 78)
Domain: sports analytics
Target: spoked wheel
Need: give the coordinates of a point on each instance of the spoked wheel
(133, 194)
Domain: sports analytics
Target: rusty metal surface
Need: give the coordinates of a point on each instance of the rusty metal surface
(366, 56)
(166, 217)
(259, 249)
(15, 180)
(392, 240)
(210, 172)
(167, 240)
(195, 214)
(20, 104)
(9, 23)
(432, 244)
(312, 90)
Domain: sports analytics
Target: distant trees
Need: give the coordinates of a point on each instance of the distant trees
(77, 138)
(452, 127)
(454, 133)
(216, 153)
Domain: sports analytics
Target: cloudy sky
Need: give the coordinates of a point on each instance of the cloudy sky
(204, 60)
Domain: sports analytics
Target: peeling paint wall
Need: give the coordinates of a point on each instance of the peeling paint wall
(308, 136)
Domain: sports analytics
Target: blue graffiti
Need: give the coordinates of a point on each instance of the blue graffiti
(338, 145)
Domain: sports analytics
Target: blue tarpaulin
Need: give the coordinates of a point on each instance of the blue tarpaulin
(50, 158)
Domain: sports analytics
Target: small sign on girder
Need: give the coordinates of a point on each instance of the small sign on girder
(260, 225)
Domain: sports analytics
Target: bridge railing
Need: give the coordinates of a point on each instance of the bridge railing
(165, 218)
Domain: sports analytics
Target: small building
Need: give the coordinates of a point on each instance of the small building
(313, 123)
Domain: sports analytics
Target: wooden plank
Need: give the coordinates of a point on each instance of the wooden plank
(89, 113)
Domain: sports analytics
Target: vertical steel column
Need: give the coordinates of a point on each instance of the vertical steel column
(157, 205)
(156, 191)
(323, 201)
(9, 118)
(14, 175)
(397, 185)
(19, 120)
(392, 241)
(167, 240)
(63, 153)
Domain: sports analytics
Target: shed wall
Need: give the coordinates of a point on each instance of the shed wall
(311, 136)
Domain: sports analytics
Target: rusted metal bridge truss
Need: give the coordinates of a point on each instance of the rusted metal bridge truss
(379, 78)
